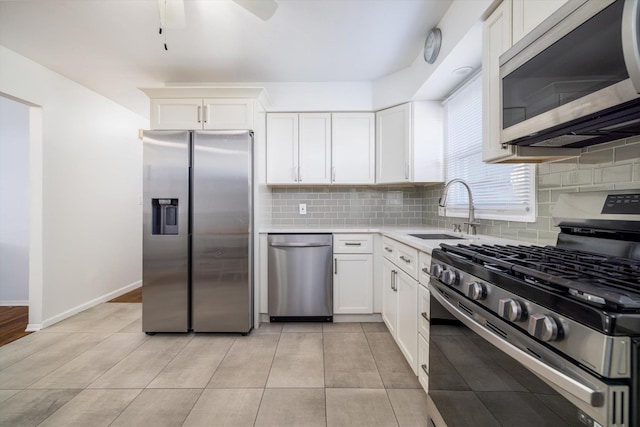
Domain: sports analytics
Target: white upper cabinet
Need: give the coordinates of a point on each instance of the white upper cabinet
(509, 22)
(227, 114)
(185, 113)
(282, 148)
(299, 148)
(198, 113)
(314, 152)
(528, 14)
(353, 148)
(409, 143)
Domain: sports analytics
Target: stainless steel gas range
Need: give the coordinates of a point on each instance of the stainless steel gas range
(569, 313)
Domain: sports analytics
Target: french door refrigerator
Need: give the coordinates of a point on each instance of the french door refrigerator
(197, 226)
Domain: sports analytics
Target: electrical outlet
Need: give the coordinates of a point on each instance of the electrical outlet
(303, 208)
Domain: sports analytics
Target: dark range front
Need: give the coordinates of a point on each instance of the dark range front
(472, 383)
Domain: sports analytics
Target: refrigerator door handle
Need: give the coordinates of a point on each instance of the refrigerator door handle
(298, 245)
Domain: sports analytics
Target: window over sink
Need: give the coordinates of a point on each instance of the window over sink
(500, 191)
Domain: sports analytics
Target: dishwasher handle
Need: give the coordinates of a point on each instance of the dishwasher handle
(299, 245)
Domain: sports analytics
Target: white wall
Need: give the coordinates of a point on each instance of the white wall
(91, 188)
(14, 202)
(319, 96)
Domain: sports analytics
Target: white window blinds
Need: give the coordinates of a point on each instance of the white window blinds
(505, 191)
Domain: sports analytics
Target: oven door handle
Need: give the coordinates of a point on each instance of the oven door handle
(581, 391)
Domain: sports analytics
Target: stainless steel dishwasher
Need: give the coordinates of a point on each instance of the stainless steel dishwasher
(300, 277)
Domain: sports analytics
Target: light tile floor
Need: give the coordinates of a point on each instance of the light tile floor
(98, 369)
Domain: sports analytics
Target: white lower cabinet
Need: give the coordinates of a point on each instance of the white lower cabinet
(352, 274)
(389, 296)
(353, 284)
(423, 363)
(407, 332)
(400, 298)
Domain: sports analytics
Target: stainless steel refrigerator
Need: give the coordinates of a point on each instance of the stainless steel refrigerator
(197, 226)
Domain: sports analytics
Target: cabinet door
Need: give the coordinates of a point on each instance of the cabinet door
(423, 363)
(282, 148)
(528, 14)
(228, 113)
(353, 284)
(407, 326)
(353, 148)
(314, 155)
(176, 114)
(496, 39)
(393, 127)
(389, 296)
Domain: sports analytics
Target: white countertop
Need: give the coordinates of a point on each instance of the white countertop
(401, 234)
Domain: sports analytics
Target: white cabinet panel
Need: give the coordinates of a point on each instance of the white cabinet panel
(226, 114)
(353, 284)
(282, 148)
(393, 144)
(423, 363)
(407, 327)
(353, 148)
(389, 296)
(314, 155)
(424, 313)
(185, 113)
(409, 143)
(528, 14)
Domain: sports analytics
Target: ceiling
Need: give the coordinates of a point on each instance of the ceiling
(113, 46)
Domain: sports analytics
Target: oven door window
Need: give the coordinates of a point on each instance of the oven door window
(584, 61)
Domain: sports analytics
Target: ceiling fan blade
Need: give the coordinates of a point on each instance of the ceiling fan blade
(171, 14)
(263, 9)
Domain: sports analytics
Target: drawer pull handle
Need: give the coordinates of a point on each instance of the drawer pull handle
(424, 368)
(426, 270)
(388, 249)
(407, 260)
(424, 314)
(352, 244)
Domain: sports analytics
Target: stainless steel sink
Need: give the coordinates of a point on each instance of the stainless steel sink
(436, 236)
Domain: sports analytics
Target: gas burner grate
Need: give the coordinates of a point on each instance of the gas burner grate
(596, 279)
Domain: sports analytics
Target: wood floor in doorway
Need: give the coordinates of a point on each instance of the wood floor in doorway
(132, 296)
(13, 322)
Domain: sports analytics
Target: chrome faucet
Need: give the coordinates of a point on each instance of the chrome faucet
(471, 223)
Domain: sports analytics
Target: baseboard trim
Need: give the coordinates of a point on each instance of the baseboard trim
(92, 303)
(33, 327)
(15, 303)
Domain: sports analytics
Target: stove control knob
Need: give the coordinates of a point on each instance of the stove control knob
(450, 277)
(436, 270)
(511, 310)
(476, 291)
(543, 327)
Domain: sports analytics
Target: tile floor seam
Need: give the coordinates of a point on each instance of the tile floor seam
(255, 420)
(192, 406)
(169, 362)
(375, 362)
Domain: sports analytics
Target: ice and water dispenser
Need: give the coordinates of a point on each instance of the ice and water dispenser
(165, 216)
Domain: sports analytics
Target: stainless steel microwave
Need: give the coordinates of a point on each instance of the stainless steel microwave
(574, 81)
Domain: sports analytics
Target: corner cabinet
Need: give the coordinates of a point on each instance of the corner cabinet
(353, 148)
(202, 113)
(409, 144)
(298, 148)
(509, 23)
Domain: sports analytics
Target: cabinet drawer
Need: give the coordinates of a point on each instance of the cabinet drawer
(407, 259)
(389, 249)
(352, 243)
(423, 363)
(424, 264)
(423, 312)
